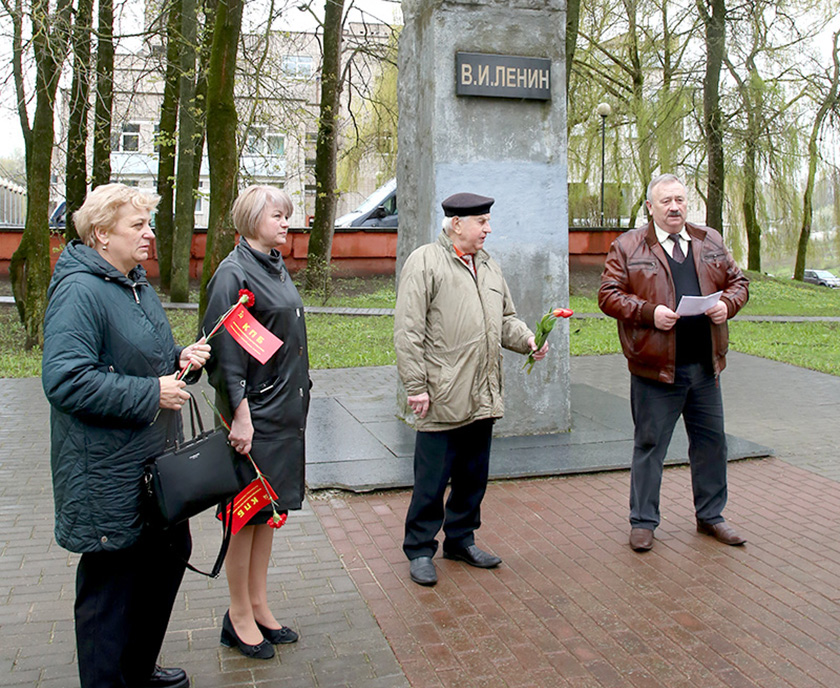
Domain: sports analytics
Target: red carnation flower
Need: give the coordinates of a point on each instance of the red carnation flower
(277, 520)
(246, 297)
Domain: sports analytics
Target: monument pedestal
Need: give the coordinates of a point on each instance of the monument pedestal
(483, 109)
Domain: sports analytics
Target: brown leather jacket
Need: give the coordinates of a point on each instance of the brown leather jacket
(637, 278)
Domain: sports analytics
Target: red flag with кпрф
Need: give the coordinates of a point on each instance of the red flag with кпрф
(250, 335)
(248, 502)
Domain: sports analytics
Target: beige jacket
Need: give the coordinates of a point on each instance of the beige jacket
(449, 329)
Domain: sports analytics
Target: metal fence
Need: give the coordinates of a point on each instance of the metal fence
(12, 203)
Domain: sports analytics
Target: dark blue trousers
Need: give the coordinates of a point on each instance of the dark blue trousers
(123, 602)
(462, 456)
(656, 407)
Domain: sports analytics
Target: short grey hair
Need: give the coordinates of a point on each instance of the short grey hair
(447, 225)
(250, 204)
(662, 179)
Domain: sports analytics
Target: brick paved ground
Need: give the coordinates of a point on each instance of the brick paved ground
(571, 606)
(341, 643)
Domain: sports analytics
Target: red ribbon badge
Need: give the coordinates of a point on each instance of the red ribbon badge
(248, 502)
(250, 335)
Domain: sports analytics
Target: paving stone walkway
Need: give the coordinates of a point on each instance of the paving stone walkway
(341, 643)
(570, 606)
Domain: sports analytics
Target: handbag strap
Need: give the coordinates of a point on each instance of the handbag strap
(195, 416)
(227, 531)
(195, 419)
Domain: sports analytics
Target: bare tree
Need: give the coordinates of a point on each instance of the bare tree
(77, 128)
(373, 122)
(572, 24)
(634, 63)
(30, 264)
(185, 179)
(101, 171)
(829, 104)
(713, 14)
(323, 228)
(166, 139)
(222, 122)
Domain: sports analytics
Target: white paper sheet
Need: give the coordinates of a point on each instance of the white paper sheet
(697, 305)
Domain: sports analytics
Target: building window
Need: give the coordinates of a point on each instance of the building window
(156, 138)
(385, 145)
(297, 66)
(253, 141)
(199, 199)
(258, 141)
(275, 145)
(130, 138)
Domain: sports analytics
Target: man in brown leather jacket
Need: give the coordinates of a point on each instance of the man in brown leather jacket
(674, 360)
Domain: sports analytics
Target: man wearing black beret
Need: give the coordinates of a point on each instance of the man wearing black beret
(454, 314)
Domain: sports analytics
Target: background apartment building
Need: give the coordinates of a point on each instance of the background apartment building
(278, 95)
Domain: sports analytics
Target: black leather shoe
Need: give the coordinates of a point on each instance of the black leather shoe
(474, 557)
(422, 571)
(278, 636)
(166, 678)
(264, 650)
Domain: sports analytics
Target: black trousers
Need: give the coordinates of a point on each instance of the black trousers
(123, 602)
(462, 455)
(656, 408)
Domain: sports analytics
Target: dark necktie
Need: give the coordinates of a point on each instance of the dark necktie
(678, 254)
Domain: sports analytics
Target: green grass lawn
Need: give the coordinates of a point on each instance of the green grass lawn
(351, 341)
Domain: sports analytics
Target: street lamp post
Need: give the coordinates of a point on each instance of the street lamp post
(604, 110)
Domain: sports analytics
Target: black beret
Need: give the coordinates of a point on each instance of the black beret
(465, 204)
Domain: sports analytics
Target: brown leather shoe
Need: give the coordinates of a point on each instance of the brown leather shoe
(722, 532)
(641, 539)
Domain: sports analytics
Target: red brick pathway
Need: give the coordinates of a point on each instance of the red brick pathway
(572, 605)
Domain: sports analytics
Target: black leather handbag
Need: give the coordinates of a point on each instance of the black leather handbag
(194, 476)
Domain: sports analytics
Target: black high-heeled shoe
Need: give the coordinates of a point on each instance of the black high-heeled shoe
(278, 636)
(264, 650)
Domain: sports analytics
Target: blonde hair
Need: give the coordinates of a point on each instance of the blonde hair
(102, 204)
(250, 204)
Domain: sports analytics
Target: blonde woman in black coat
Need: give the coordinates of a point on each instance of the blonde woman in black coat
(267, 403)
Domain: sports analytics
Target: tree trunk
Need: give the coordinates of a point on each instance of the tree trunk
(712, 118)
(185, 197)
(639, 99)
(323, 228)
(101, 172)
(828, 104)
(164, 217)
(668, 136)
(77, 127)
(572, 23)
(749, 204)
(29, 268)
(200, 99)
(222, 153)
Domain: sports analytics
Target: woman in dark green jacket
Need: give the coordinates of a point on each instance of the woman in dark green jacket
(109, 369)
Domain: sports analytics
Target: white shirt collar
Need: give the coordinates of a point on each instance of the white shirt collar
(662, 235)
